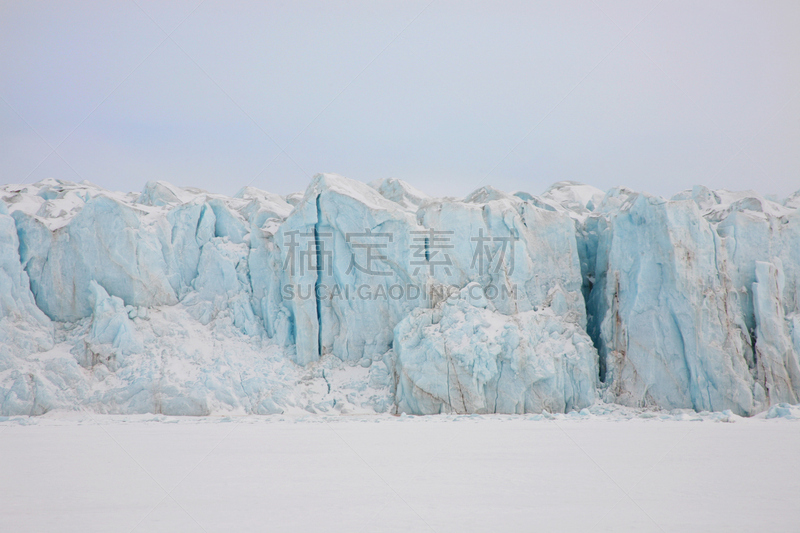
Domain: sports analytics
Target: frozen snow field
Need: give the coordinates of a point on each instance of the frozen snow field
(612, 471)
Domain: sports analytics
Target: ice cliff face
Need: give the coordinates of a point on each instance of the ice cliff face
(374, 298)
(683, 311)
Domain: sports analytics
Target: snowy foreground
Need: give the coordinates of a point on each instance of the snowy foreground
(609, 471)
(356, 299)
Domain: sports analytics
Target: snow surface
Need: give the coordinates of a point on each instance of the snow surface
(174, 301)
(602, 469)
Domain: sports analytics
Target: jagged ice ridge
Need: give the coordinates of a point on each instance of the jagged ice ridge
(356, 298)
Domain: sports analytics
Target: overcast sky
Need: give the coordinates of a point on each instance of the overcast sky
(449, 96)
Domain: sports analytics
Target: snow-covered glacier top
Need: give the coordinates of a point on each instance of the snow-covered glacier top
(352, 297)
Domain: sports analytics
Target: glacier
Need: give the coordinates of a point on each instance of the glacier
(353, 298)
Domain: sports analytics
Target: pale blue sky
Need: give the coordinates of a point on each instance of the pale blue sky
(447, 95)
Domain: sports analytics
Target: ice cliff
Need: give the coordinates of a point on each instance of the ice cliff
(373, 298)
